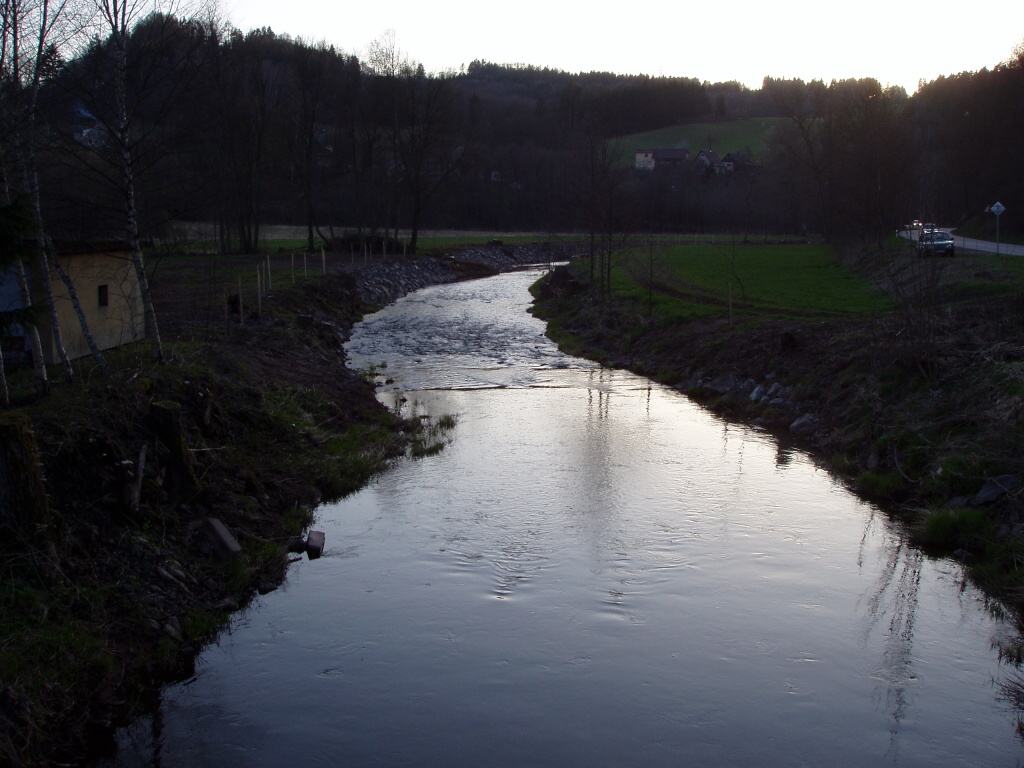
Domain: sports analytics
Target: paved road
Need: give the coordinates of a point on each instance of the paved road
(976, 246)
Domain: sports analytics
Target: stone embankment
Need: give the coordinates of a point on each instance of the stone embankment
(798, 418)
(386, 281)
(768, 392)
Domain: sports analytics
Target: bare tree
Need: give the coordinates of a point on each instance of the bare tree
(33, 31)
(133, 77)
(808, 143)
(426, 135)
(118, 16)
(249, 104)
(315, 91)
(874, 154)
(601, 175)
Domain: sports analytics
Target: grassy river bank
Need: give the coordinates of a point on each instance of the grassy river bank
(902, 375)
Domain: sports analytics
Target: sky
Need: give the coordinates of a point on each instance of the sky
(897, 42)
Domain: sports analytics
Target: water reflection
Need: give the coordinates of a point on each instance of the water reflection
(896, 596)
(783, 454)
(594, 572)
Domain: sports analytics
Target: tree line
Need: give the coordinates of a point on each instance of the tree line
(118, 121)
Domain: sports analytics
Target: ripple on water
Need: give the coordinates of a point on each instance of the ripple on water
(594, 572)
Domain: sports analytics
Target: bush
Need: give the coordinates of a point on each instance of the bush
(880, 485)
(951, 529)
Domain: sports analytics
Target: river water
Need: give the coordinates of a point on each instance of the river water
(594, 572)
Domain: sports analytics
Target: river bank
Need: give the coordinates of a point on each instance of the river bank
(588, 545)
(924, 420)
(106, 597)
(104, 602)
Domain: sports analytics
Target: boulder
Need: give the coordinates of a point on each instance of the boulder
(803, 425)
(995, 488)
(224, 542)
(315, 544)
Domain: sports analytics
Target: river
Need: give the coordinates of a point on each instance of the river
(593, 572)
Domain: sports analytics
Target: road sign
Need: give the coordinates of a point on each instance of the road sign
(997, 209)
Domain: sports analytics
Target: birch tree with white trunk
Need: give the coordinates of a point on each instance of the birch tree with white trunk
(18, 18)
(35, 32)
(115, 18)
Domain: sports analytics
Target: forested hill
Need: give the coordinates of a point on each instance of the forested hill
(180, 120)
(625, 103)
(622, 104)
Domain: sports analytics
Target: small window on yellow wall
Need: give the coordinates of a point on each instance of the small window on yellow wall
(104, 299)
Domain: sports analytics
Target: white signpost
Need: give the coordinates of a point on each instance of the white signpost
(997, 209)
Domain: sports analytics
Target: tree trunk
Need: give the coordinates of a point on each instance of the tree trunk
(132, 492)
(181, 480)
(149, 312)
(51, 306)
(23, 503)
(86, 332)
(31, 181)
(131, 213)
(4, 393)
(414, 232)
(31, 332)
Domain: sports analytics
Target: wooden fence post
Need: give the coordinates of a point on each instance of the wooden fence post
(23, 503)
(181, 481)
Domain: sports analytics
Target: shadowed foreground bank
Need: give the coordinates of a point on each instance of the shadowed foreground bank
(117, 581)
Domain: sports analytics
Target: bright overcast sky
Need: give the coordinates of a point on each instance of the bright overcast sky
(898, 42)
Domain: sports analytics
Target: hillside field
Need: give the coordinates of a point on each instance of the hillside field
(726, 136)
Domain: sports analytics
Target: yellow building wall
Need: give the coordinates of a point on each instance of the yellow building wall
(119, 322)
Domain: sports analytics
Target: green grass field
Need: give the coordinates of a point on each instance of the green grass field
(693, 281)
(428, 241)
(723, 137)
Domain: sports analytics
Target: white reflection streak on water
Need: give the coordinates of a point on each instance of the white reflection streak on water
(593, 572)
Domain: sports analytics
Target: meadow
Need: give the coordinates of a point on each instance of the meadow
(744, 135)
(688, 282)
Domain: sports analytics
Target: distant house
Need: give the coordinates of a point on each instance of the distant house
(107, 290)
(739, 161)
(649, 159)
(709, 161)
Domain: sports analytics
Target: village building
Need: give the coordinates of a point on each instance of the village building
(649, 159)
(107, 289)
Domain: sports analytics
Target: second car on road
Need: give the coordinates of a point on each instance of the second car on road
(936, 243)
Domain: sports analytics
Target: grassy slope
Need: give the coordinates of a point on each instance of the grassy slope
(790, 280)
(726, 136)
